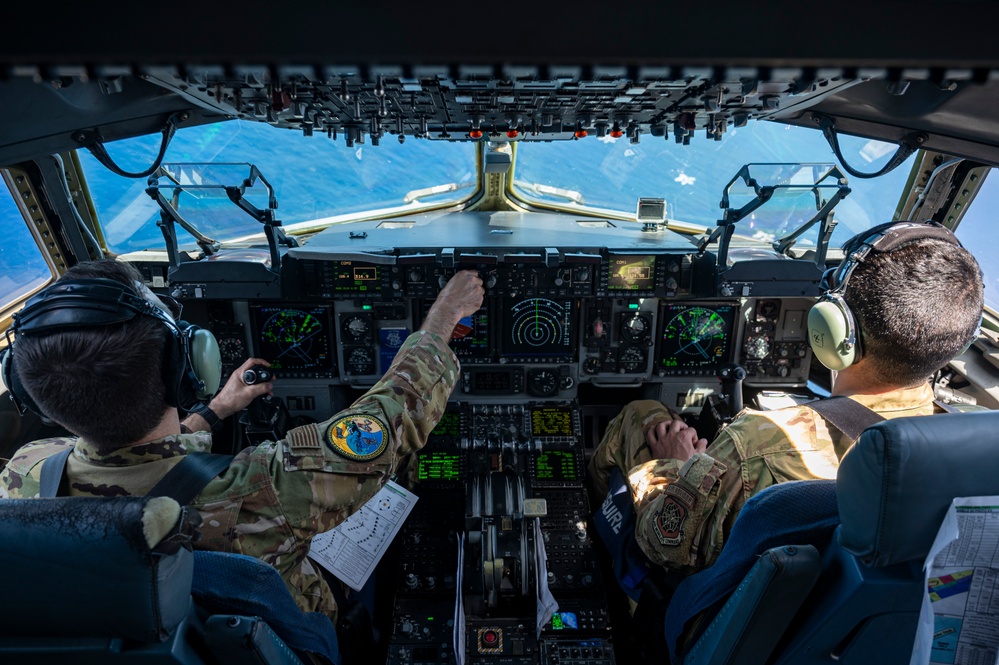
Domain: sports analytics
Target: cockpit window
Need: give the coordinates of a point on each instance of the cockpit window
(22, 267)
(612, 173)
(317, 181)
(977, 231)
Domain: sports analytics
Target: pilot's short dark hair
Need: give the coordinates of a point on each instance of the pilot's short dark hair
(104, 383)
(917, 307)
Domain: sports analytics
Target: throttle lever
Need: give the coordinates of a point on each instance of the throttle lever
(732, 375)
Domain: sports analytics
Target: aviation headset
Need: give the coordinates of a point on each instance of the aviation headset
(833, 333)
(192, 364)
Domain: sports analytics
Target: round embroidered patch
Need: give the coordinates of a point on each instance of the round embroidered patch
(358, 438)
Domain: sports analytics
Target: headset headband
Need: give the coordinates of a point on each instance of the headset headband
(83, 303)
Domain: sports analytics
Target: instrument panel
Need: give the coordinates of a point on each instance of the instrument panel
(553, 321)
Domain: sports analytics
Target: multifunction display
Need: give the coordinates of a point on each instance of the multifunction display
(295, 340)
(551, 421)
(356, 278)
(631, 273)
(438, 465)
(556, 465)
(537, 328)
(696, 338)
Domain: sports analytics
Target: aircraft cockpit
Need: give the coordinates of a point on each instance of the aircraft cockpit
(654, 230)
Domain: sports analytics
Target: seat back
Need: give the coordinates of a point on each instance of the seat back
(109, 580)
(894, 488)
(799, 513)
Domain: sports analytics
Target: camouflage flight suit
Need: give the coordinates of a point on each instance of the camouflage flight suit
(276, 496)
(686, 510)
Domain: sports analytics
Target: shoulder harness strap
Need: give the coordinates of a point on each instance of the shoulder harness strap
(848, 416)
(182, 483)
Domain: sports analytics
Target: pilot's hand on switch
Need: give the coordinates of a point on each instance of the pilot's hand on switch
(237, 395)
(674, 439)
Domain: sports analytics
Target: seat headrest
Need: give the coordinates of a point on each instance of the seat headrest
(897, 482)
(85, 567)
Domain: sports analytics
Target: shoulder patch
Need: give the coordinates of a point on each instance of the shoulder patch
(358, 438)
(669, 519)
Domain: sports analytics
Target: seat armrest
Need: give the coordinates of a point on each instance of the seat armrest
(246, 640)
(754, 618)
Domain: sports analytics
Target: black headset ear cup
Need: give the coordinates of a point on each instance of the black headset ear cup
(22, 400)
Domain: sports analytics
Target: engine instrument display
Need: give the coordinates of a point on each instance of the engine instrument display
(295, 340)
(449, 425)
(351, 277)
(438, 465)
(538, 328)
(556, 465)
(631, 273)
(551, 421)
(696, 338)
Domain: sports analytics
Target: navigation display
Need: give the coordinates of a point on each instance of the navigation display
(470, 339)
(551, 421)
(353, 277)
(437, 465)
(631, 273)
(293, 338)
(696, 338)
(556, 465)
(539, 328)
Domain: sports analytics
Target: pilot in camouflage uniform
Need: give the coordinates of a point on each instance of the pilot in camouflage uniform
(276, 496)
(685, 510)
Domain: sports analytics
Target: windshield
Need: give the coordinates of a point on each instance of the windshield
(612, 173)
(316, 181)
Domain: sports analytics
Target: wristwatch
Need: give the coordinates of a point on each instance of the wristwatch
(210, 416)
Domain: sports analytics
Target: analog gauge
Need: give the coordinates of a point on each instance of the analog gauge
(542, 382)
(232, 349)
(758, 347)
(767, 310)
(635, 327)
(631, 359)
(360, 360)
(356, 326)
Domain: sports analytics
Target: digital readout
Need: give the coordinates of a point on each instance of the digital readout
(351, 277)
(449, 425)
(559, 465)
(631, 273)
(564, 621)
(551, 421)
(437, 465)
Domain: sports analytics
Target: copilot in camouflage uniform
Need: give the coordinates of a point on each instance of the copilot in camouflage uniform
(276, 496)
(685, 510)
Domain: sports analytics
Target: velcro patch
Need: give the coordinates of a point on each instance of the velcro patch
(358, 438)
(702, 471)
(669, 519)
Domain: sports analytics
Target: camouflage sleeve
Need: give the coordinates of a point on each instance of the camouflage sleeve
(682, 520)
(322, 472)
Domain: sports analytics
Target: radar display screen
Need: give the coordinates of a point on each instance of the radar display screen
(551, 421)
(353, 277)
(631, 273)
(449, 425)
(539, 328)
(438, 465)
(294, 338)
(470, 338)
(556, 465)
(696, 337)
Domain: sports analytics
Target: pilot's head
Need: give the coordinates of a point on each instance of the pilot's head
(916, 296)
(106, 382)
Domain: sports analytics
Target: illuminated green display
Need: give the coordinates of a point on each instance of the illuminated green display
(449, 425)
(437, 465)
(555, 465)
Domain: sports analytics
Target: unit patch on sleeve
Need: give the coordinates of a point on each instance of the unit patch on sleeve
(358, 438)
(669, 519)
